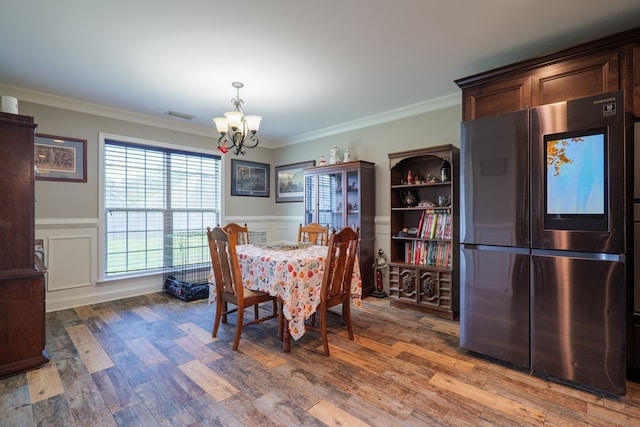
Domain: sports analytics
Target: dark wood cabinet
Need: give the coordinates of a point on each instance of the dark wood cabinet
(423, 267)
(22, 293)
(342, 195)
(599, 66)
(491, 98)
(576, 78)
(635, 79)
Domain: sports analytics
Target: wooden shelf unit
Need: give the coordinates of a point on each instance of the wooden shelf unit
(424, 249)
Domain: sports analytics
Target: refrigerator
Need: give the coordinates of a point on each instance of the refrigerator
(543, 240)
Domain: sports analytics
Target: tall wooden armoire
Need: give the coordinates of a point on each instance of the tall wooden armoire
(22, 292)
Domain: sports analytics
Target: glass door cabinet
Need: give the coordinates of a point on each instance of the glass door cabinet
(342, 195)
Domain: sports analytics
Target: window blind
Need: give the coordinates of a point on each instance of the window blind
(158, 203)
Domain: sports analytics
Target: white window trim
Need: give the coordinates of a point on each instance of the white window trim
(102, 136)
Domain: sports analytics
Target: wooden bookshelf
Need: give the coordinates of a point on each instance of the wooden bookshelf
(424, 250)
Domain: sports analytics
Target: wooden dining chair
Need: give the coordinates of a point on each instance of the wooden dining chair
(336, 280)
(315, 233)
(229, 287)
(240, 233)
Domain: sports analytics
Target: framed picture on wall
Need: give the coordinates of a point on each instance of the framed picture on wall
(290, 181)
(59, 158)
(249, 178)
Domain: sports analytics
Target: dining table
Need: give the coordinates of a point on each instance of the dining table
(293, 273)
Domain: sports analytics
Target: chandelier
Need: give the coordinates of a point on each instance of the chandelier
(237, 130)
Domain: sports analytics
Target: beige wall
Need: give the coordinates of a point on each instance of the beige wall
(80, 200)
(67, 214)
(373, 144)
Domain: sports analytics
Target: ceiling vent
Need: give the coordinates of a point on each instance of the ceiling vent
(180, 115)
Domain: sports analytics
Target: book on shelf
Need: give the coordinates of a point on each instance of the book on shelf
(407, 252)
(426, 232)
(447, 229)
(435, 225)
(432, 254)
(439, 226)
(421, 223)
(444, 226)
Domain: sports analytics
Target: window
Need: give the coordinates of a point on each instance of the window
(157, 205)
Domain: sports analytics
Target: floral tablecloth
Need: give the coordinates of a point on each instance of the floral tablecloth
(295, 276)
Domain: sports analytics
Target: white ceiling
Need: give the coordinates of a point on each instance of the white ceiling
(308, 66)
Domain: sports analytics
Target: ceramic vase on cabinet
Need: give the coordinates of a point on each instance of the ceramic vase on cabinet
(334, 155)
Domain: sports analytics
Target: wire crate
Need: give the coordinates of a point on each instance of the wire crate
(257, 236)
(187, 264)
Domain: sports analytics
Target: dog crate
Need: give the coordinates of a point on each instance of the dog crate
(257, 236)
(187, 264)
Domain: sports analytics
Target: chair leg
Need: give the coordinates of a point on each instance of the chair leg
(346, 317)
(280, 319)
(225, 308)
(255, 311)
(216, 322)
(323, 330)
(344, 305)
(236, 341)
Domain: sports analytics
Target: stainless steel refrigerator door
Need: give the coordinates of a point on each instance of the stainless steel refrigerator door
(495, 184)
(578, 328)
(494, 303)
(600, 111)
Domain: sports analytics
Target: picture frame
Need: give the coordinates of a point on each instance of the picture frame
(60, 158)
(249, 178)
(290, 181)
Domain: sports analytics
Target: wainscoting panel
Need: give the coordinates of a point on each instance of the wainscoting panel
(69, 263)
(72, 256)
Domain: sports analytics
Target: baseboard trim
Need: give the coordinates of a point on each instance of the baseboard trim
(98, 297)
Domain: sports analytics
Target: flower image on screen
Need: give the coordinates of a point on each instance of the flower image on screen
(576, 175)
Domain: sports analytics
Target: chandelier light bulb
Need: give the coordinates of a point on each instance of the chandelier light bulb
(235, 119)
(253, 123)
(221, 125)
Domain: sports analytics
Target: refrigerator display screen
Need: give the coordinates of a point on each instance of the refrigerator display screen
(576, 181)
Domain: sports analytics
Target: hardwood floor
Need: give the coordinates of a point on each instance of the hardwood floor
(150, 360)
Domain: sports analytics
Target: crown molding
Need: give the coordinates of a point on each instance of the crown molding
(70, 104)
(376, 119)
